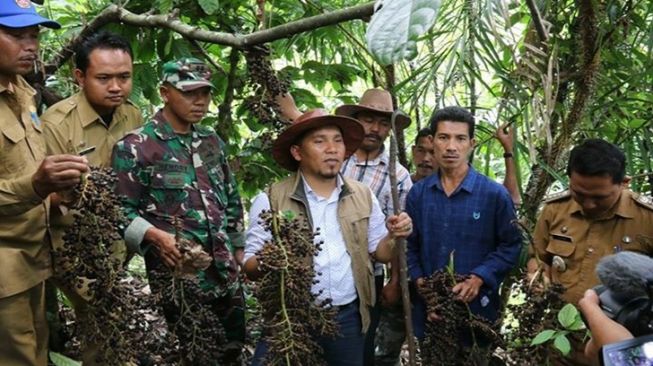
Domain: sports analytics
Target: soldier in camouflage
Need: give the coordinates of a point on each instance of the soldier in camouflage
(175, 169)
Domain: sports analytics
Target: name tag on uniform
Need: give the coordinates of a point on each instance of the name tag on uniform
(566, 239)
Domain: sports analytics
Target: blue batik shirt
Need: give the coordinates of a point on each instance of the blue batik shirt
(477, 222)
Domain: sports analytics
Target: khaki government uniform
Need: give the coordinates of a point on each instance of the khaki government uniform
(24, 252)
(354, 209)
(70, 126)
(572, 244)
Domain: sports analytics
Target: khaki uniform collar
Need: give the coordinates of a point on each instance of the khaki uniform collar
(87, 114)
(623, 207)
(17, 85)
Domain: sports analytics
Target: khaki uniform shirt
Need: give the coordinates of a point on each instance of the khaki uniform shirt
(573, 244)
(24, 254)
(72, 125)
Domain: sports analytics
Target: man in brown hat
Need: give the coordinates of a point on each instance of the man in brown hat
(369, 165)
(314, 147)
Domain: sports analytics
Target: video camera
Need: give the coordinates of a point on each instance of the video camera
(626, 291)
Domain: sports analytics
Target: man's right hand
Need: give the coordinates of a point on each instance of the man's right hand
(165, 244)
(58, 173)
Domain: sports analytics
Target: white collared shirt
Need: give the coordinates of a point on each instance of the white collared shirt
(333, 263)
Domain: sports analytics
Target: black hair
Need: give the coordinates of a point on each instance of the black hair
(453, 114)
(596, 157)
(424, 132)
(101, 40)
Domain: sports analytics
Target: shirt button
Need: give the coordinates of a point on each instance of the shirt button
(590, 250)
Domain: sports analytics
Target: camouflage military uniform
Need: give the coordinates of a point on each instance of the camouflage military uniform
(163, 175)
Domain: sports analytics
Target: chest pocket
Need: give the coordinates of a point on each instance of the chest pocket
(14, 150)
(356, 232)
(564, 269)
(562, 246)
(167, 188)
(642, 244)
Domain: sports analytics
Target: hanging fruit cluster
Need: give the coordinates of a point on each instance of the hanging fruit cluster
(293, 315)
(86, 264)
(538, 312)
(265, 85)
(190, 310)
(442, 343)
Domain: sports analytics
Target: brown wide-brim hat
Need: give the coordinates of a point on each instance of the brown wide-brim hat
(352, 133)
(377, 101)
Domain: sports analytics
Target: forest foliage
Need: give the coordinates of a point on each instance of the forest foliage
(557, 71)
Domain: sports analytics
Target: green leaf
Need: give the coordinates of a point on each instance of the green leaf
(164, 6)
(578, 324)
(543, 336)
(210, 7)
(396, 26)
(562, 344)
(61, 360)
(567, 315)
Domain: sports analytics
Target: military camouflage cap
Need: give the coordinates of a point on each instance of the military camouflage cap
(187, 74)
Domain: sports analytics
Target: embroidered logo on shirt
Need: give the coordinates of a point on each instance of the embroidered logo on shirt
(23, 3)
(35, 119)
(485, 301)
(476, 215)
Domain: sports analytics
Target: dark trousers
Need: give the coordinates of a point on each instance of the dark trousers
(375, 316)
(344, 350)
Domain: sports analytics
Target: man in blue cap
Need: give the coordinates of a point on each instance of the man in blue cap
(26, 180)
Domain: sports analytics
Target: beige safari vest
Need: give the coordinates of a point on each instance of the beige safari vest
(354, 208)
(24, 253)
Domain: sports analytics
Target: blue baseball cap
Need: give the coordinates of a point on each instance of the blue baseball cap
(21, 13)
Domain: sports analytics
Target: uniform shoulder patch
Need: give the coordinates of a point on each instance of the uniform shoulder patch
(56, 113)
(559, 196)
(643, 200)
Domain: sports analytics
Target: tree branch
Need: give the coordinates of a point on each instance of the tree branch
(537, 20)
(116, 14)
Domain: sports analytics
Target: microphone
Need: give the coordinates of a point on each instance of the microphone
(626, 293)
(627, 274)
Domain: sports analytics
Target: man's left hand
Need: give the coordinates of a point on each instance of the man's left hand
(399, 226)
(468, 289)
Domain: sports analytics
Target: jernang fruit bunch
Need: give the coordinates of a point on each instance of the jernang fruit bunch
(442, 345)
(190, 311)
(539, 311)
(86, 264)
(265, 85)
(293, 315)
(190, 317)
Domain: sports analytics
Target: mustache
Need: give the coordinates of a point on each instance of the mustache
(425, 166)
(30, 57)
(373, 135)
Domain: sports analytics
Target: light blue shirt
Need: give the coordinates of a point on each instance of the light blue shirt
(333, 261)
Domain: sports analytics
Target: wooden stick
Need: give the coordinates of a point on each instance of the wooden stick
(401, 245)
